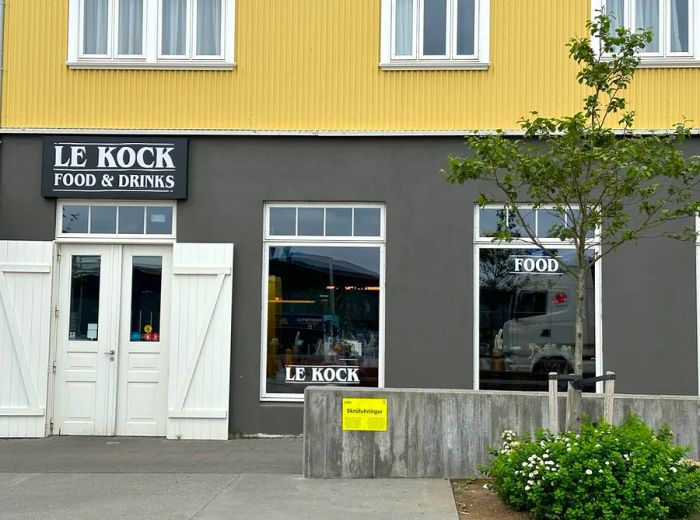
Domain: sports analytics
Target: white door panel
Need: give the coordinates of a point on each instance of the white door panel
(85, 338)
(198, 394)
(25, 325)
(142, 392)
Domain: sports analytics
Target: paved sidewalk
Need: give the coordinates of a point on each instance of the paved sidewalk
(135, 478)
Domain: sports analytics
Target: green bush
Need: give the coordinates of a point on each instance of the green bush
(605, 472)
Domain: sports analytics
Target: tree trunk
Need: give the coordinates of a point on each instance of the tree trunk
(574, 401)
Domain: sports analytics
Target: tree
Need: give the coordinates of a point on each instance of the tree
(612, 183)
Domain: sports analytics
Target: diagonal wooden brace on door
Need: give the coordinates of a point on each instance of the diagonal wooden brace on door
(7, 305)
(196, 353)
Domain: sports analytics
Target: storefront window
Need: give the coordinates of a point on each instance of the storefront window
(323, 302)
(527, 309)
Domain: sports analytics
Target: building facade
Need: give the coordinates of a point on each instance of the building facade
(208, 205)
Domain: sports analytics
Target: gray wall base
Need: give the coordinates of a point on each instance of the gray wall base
(447, 433)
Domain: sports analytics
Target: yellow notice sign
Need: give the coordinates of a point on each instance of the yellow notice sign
(368, 415)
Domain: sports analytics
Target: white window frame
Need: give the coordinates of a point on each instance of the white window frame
(111, 238)
(417, 60)
(319, 241)
(481, 242)
(663, 58)
(152, 57)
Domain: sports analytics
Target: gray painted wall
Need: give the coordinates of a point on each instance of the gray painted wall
(649, 289)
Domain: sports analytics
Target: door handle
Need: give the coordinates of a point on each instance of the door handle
(110, 353)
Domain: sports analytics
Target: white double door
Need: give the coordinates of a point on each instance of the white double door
(112, 340)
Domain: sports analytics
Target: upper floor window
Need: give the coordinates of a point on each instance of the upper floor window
(675, 25)
(435, 34)
(151, 33)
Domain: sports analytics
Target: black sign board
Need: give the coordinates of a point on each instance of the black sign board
(115, 168)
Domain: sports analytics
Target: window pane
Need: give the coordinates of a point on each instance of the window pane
(323, 317)
(209, 27)
(310, 222)
(146, 277)
(491, 221)
(131, 219)
(527, 311)
(174, 15)
(95, 26)
(465, 27)
(515, 227)
(434, 27)
(282, 221)
(338, 222)
(403, 33)
(616, 10)
(367, 222)
(548, 223)
(159, 220)
(84, 298)
(130, 27)
(647, 17)
(75, 219)
(679, 26)
(103, 219)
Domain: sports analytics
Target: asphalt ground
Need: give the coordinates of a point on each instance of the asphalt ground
(136, 478)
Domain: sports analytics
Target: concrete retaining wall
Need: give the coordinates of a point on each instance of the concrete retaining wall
(447, 433)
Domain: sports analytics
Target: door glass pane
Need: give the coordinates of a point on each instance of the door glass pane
(647, 17)
(131, 219)
(679, 26)
(75, 219)
(103, 219)
(84, 297)
(527, 318)
(310, 222)
(174, 13)
(465, 27)
(434, 27)
(209, 27)
(403, 33)
(323, 317)
(146, 275)
(95, 14)
(338, 222)
(159, 220)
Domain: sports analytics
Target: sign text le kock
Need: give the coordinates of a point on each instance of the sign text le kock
(92, 167)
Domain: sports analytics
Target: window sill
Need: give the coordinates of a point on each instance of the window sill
(669, 63)
(160, 65)
(433, 65)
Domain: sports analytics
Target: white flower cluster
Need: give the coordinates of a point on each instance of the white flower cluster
(536, 469)
(509, 441)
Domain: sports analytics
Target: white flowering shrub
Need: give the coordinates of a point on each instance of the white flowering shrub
(605, 472)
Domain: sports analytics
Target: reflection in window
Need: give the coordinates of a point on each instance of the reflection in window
(75, 219)
(146, 279)
(323, 316)
(527, 318)
(84, 298)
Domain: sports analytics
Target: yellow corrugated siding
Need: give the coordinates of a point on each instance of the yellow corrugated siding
(313, 65)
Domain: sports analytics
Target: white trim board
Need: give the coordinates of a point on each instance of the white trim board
(300, 133)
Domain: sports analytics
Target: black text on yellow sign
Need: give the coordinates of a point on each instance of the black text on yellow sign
(368, 415)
